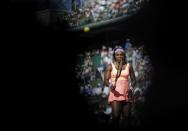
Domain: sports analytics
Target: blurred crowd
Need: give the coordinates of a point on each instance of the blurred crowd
(90, 70)
(101, 10)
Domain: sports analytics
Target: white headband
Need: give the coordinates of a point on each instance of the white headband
(119, 50)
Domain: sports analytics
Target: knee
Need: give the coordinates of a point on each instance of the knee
(115, 117)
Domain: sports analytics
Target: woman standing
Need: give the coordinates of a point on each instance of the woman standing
(116, 77)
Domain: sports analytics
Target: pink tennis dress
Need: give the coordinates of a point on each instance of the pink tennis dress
(121, 91)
